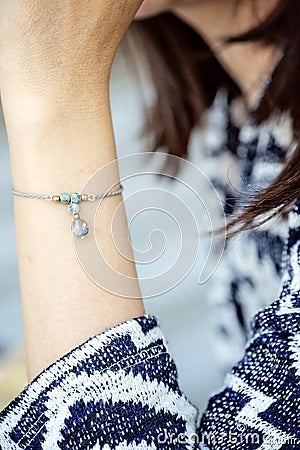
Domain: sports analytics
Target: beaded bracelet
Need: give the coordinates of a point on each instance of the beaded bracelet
(79, 226)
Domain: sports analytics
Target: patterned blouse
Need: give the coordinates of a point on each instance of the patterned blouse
(119, 390)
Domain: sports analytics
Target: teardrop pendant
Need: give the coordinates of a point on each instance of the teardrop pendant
(80, 228)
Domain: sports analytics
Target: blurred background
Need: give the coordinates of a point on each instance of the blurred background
(184, 312)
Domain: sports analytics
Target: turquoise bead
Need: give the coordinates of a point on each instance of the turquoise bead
(65, 198)
(73, 208)
(75, 198)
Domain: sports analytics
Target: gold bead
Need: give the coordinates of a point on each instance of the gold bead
(76, 216)
(84, 197)
(56, 198)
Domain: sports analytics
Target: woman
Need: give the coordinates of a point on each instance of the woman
(119, 389)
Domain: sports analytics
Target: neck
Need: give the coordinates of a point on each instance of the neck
(249, 64)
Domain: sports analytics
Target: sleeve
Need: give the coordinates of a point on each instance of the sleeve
(118, 390)
(259, 407)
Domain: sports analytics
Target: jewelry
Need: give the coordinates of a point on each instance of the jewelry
(79, 226)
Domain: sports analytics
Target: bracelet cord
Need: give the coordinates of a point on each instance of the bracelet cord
(79, 226)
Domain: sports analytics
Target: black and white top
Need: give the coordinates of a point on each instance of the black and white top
(119, 390)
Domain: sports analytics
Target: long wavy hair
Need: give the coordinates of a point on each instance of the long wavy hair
(187, 76)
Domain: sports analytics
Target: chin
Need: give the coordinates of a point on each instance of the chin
(151, 8)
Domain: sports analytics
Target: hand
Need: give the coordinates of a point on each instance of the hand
(61, 46)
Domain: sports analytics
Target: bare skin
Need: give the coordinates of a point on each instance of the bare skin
(248, 64)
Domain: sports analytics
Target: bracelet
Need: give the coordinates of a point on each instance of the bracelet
(79, 226)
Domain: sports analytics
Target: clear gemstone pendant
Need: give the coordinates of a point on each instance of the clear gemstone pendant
(80, 228)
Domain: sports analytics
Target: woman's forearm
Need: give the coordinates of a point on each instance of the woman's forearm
(56, 149)
(55, 62)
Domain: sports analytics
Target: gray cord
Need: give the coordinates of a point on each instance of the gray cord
(108, 194)
(27, 195)
(91, 197)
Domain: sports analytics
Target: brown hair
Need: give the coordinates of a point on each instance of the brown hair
(187, 76)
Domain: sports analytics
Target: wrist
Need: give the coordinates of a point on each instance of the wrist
(72, 143)
(22, 102)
